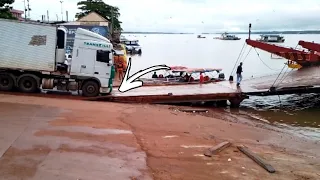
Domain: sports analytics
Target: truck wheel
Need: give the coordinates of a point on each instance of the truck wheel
(27, 84)
(6, 82)
(90, 89)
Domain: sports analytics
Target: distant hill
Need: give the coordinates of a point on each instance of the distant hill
(253, 32)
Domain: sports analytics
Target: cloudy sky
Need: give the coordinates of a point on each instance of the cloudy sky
(197, 15)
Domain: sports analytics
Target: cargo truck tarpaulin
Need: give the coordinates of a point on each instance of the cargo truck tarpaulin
(102, 30)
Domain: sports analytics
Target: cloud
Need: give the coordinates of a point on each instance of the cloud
(198, 15)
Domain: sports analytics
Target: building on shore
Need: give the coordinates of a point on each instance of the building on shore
(93, 22)
(17, 14)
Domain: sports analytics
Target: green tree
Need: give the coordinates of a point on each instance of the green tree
(111, 13)
(5, 9)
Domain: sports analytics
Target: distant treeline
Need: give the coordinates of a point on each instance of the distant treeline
(278, 32)
(152, 33)
(258, 32)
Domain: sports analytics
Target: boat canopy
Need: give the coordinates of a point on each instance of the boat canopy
(270, 35)
(202, 70)
(177, 69)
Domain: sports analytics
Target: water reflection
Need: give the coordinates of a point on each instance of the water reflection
(294, 110)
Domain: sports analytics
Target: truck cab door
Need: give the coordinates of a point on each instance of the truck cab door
(83, 62)
(103, 65)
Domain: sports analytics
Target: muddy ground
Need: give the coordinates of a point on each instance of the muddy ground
(47, 138)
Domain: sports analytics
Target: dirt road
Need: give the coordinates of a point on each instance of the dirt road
(46, 138)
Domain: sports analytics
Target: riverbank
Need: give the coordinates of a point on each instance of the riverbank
(74, 139)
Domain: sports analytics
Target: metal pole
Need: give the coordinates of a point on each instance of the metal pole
(61, 11)
(112, 20)
(249, 30)
(25, 10)
(48, 16)
(29, 9)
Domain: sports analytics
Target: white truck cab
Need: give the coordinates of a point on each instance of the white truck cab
(92, 56)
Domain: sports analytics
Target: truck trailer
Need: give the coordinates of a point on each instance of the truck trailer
(32, 57)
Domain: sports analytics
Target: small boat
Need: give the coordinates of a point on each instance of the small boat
(271, 38)
(132, 46)
(226, 36)
(123, 38)
(179, 75)
(199, 36)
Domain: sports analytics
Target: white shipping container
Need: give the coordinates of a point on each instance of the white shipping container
(27, 46)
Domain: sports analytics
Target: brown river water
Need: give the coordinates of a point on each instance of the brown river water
(298, 112)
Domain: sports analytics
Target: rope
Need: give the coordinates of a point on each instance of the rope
(235, 64)
(279, 102)
(285, 76)
(278, 76)
(247, 54)
(264, 62)
(244, 50)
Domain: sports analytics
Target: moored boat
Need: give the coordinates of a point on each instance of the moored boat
(132, 46)
(200, 37)
(226, 36)
(179, 75)
(271, 38)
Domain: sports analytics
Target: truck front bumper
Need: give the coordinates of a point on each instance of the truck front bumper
(105, 90)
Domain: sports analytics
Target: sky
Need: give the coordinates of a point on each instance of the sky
(196, 16)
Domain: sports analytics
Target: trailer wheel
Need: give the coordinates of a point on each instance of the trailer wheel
(90, 89)
(27, 84)
(6, 82)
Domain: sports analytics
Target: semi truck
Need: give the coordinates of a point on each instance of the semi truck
(32, 58)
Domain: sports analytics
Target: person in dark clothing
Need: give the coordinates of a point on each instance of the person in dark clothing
(187, 77)
(154, 75)
(239, 75)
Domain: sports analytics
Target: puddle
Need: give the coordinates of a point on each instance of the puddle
(198, 155)
(91, 130)
(196, 146)
(172, 136)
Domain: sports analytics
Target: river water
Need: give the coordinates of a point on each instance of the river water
(188, 50)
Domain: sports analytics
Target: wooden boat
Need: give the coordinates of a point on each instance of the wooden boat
(180, 75)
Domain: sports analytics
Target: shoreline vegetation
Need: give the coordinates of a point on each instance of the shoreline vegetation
(257, 32)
